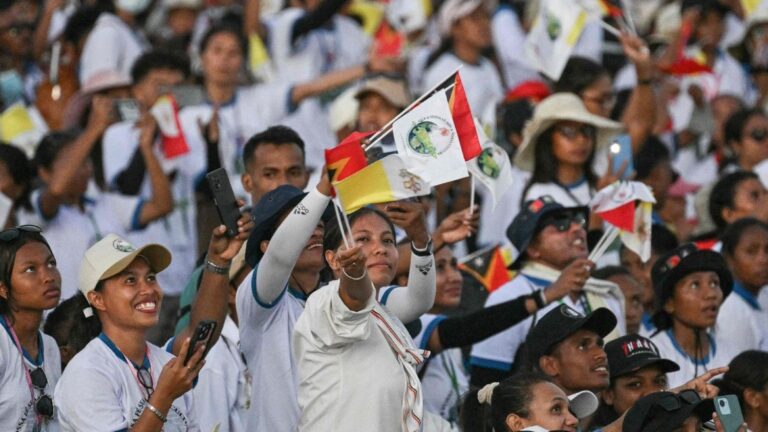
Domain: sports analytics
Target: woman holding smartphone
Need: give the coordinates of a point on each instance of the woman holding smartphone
(30, 283)
(119, 381)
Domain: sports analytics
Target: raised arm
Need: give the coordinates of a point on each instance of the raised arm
(290, 239)
(161, 201)
(60, 179)
(211, 302)
(409, 303)
(640, 115)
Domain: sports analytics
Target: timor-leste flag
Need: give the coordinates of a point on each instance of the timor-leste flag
(346, 158)
(464, 122)
(166, 114)
(382, 181)
(488, 267)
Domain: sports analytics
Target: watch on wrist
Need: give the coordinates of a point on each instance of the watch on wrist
(425, 251)
(214, 268)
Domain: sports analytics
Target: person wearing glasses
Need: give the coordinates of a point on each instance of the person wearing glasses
(561, 146)
(552, 244)
(30, 365)
(119, 381)
(746, 133)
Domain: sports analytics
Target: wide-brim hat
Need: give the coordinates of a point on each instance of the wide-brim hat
(393, 90)
(556, 108)
(670, 268)
(113, 254)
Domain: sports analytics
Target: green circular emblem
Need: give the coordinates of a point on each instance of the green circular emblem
(488, 164)
(430, 137)
(123, 246)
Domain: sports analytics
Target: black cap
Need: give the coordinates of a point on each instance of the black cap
(633, 352)
(266, 213)
(561, 322)
(666, 411)
(525, 226)
(679, 263)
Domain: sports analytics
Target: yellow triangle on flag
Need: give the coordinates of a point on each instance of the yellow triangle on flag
(15, 121)
(257, 52)
(750, 6)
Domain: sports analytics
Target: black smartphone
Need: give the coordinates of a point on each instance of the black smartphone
(203, 334)
(224, 199)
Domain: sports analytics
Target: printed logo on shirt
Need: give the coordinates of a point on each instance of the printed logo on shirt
(432, 136)
(28, 417)
(177, 421)
(123, 246)
(424, 268)
(301, 209)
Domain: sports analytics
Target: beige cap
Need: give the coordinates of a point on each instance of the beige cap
(395, 91)
(111, 255)
(454, 10)
(559, 107)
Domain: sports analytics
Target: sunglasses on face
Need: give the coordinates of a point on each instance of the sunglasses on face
(12, 234)
(562, 221)
(572, 131)
(759, 134)
(43, 404)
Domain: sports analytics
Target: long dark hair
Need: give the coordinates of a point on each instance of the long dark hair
(513, 395)
(20, 169)
(545, 164)
(8, 250)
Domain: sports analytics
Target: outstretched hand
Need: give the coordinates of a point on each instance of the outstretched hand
(457, 226)
(701, 383)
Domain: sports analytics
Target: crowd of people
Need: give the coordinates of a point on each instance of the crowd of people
(396, 317)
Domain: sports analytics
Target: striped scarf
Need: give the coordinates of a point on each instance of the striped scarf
(409, 358)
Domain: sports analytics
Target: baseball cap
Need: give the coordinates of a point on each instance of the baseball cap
(394, 90)
(670, 268)
(583, 404)
(631, 353)
(265, 216)
(561, 322)
(526, 224)
(113, 254)
(666, 411)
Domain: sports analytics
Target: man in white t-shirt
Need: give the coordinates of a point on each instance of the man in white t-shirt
(125, 172)
(552, 244)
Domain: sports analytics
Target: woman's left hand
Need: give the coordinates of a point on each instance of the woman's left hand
(222, 248)
(457, 226)
(409, 215)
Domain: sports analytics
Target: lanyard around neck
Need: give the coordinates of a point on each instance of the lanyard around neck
(24, 367)
(147, 364)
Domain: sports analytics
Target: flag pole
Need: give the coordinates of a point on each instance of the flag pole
(604, 243)
(628, 17)
(341, 224)
(471, 194)
(380, 134)
(610, 29)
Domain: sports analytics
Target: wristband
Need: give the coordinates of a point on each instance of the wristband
(217, 269)
(354, 278)
(156, 412)
(426, 251)
(539, 298)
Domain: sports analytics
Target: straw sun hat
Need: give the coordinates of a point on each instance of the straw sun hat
(556, 108)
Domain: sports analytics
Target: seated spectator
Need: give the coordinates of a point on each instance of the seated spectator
(568, 347)
(525, 402)
(30, 365)
(747, 378)
(636, 370)
(745, 248)
(551, 241)
(690, 287)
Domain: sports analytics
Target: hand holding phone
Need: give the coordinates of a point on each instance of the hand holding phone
(202, 335)
(224, 200)
(621, 151)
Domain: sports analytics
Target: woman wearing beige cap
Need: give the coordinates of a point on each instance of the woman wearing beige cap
(119, 381)
(559, 147)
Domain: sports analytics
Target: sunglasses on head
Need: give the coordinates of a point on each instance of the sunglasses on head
(759, 134)
(562, 221)
(572, 131)
(12, 234)
(43, 404)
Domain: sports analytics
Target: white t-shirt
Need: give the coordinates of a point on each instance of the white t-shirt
(577, 194)
(509, 41)
(223, 390)
(763, 298)
(445, 380)
(99, 392)
(494, 221)
(111, 46)
(177, 231)
(71, 231)
(742, 321)
(17, 409)
(720, 354)
(349, 377)
(481, 82)
(265, 340)
(252, 110)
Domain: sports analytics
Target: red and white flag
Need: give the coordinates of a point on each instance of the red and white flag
(627, 205)
(166, 114)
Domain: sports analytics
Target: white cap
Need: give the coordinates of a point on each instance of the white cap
(583, 404)
(111, 255)
(454, 10)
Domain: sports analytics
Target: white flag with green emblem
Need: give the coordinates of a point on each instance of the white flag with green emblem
(427, 142)
(492, 167)
(556, 29)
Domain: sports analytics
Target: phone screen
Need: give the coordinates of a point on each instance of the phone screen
(621, 151)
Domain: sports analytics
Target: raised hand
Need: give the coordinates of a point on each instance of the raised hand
(409, 215)
(221, 248)
(571, 280)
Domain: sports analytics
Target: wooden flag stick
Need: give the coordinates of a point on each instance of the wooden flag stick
(604, 243)
(471, 194)
(341, 224)
(610, 29)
